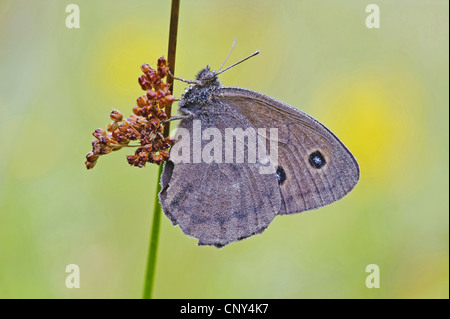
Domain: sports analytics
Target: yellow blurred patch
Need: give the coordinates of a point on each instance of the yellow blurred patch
(119, 54)
(366, 113)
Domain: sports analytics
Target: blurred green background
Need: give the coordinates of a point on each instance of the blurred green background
(383, 91)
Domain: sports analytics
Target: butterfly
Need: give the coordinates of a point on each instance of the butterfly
(220, 201)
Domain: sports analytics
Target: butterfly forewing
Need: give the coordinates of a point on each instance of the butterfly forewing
(315, 166)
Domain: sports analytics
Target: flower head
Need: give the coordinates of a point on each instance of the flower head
(145, 125)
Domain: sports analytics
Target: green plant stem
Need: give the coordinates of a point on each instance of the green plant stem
(154, 237)
(153, 247)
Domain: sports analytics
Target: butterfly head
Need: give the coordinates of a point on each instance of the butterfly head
(205, 84)
(206, 77)
(200, 91)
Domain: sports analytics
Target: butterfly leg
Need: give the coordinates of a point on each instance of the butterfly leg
(179, 117)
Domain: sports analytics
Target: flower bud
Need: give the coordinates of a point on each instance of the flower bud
(144, 82)
(165, 155)
(145, 68)
(151, 95)
(113, 126)
(116, 116)
(142, 101)
(131, 159)
(157, 159)
(137, 110)
(154, 123)
(148, 148)
(169, 99)
(105, 150)
(162, 115)
(90, 165)
(162, 62)
(99, 133)
(91, 157)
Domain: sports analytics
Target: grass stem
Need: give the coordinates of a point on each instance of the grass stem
(154, 236)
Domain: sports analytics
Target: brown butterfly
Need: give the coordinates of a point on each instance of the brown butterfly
(222, 201)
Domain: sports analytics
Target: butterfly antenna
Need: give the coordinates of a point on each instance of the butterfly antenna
(229, 53)
(251, 55)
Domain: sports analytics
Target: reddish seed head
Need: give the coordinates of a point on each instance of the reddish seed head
(169, 99)
(99, 133)
(162, 115)
(143, 156)
(162, 73)
(154, 123)
(162, 62)
(157, 159)
(112, 126)
(131, 159)
(143, 101)
(91, 157)
(105, 150)
(103, 140)
(153, 109)
(144, 125)
(165, 155)
(151, 95)
(136, 110)
(145, 68)
(160, 94)
(116, 116)
(169, 140)
(157, 85)
(144, 82)
(96, 147)
(162, 104)
(152, 76)
(162, 68)
(90, 165)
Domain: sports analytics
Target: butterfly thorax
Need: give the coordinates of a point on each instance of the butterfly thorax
(198, 95)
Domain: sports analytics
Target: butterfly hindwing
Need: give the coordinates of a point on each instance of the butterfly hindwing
(218, 203)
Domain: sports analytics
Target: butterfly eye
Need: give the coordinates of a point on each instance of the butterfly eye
(317, 160)
(281, 175)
